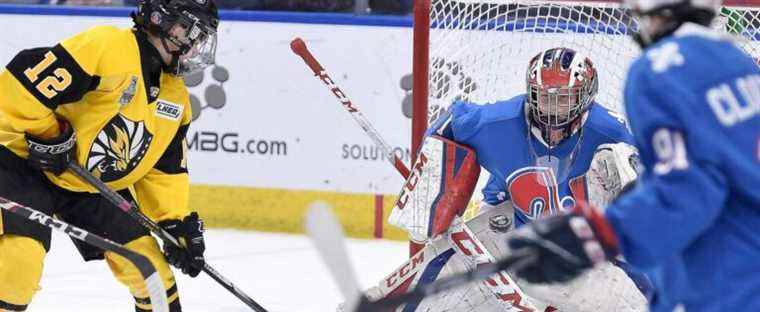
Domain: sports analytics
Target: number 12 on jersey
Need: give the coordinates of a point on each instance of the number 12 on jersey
(50, 85)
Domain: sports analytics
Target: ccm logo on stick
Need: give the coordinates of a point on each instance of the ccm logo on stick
(411, 183)
(405, 270)
(335, 90)
(72, 231)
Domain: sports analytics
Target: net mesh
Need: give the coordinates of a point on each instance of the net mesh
(479, 50)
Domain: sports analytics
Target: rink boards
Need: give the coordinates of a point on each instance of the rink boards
(269, 138)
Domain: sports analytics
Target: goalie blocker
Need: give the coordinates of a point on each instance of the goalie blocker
(436, 191)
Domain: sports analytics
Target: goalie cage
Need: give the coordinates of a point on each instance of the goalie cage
(478, 50)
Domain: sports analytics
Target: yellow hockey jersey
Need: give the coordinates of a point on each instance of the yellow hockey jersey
(130, 117)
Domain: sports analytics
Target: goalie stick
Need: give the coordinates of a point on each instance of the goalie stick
(132, 210)
(299, 48)
(153, 282)
(327, 235)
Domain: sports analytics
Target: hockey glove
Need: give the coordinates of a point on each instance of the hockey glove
(54, 154)
(565, 245)
(189, 233)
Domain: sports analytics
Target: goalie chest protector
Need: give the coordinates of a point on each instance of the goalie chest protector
(537, 180)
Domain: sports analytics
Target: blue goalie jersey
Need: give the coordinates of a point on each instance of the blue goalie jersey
(693, 221)
(538, 181)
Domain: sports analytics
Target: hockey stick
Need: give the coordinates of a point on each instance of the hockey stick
(482, 272)
(132, 210)
(299, 48)
(327, 235)
(153, 282)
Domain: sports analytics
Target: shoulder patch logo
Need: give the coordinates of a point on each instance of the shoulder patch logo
(129, 92)
(168, 110)
(118, 148)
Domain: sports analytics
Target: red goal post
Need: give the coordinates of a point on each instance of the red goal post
(477, 50)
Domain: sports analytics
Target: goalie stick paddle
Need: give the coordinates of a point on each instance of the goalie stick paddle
(132, 210)
(327, 236)
(299, 48)
(153, 282)
(484, 271)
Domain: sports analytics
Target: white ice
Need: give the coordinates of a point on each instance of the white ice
(281, 272)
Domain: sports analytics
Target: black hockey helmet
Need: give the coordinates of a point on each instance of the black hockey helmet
(199, 20)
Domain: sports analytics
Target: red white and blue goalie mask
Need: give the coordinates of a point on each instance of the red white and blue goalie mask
(561, 85)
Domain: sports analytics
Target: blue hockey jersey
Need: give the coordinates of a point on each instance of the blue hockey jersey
(538, 181)
(693, 221)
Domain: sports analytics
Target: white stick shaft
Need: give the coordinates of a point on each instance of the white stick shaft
(327, 236)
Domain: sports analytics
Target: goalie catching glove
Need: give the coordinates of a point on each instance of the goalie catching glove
(614, 168)
(565, 245)
(189, 233)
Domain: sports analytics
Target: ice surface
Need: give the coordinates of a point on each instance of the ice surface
(282, 272)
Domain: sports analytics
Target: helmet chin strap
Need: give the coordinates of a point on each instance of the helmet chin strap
(549, 134)
(173, 66)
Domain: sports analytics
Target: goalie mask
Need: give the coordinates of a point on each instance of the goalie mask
(561, 87)
(188, 25)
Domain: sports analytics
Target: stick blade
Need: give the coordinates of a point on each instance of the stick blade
(327, 235)
(157, 293)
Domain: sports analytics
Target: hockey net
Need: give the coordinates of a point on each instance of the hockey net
(478, 50)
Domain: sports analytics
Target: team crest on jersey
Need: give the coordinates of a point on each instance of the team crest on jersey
(118, 148)
(534, 193)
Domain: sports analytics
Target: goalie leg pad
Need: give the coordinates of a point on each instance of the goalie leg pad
(436, 260)
(603, 288)
(424, 265)
(444, 256)
(438, 189)
(479, 244)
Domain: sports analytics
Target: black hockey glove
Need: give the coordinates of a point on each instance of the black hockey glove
(565, 245)
(54, 154)
(189, 233)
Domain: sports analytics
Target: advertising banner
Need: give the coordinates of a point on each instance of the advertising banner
(263, 119)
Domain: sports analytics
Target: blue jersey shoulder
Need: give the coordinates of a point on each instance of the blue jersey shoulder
(608, 124)
(710, 56)
(468, 118)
